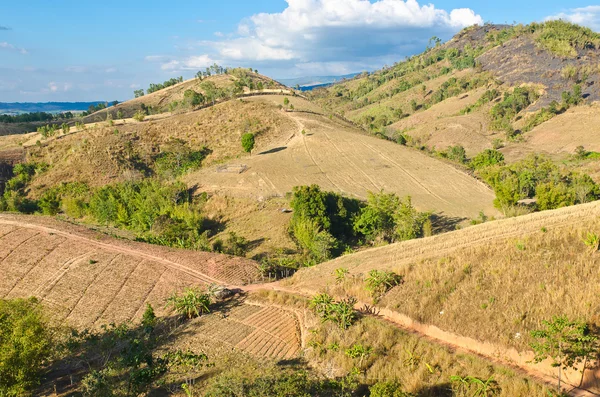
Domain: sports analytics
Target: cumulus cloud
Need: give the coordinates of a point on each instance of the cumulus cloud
(587, 16)
(327, 32)
(7, 46)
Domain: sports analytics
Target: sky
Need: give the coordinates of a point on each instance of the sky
(66, 50)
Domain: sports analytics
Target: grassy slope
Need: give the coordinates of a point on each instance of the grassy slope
(488, 282)
(520, 60)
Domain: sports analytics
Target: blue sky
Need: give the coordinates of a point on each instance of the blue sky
(76, 51)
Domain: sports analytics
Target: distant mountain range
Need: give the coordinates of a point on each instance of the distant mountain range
(48, 107)
(315, 81)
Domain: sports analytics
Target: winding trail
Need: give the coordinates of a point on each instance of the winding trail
(428, 332)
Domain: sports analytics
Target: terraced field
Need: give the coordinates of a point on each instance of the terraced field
(258, 330)
(89, 279)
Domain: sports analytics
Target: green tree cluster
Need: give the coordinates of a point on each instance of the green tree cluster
(26, 345)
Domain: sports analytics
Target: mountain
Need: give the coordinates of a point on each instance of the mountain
(315, 80)
(48, 107)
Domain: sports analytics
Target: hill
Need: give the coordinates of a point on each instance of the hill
(90, 279)
(455, 93)
(338, 157)
(487, 286)
(213, 88)
(87, 280)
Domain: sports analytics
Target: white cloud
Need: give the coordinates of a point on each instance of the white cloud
(190, 63)
(587, 16)
(7, 46)
(332, 34)
(52, 86)
(110, 70)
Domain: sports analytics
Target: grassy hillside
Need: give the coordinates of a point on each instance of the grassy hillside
(492, 282)
(213, 88)
(442, 97)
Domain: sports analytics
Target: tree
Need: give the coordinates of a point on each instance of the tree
(248, 142)
(567, 343)
(193, 98)
(25, 345)
(138, 93)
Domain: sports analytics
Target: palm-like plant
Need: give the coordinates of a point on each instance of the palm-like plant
(192, 303)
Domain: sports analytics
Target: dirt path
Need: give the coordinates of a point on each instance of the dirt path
(454, 342)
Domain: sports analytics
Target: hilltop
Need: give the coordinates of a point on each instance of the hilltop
(447, 95)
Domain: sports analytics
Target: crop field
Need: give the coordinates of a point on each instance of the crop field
(261, 331)
(89, 279)
(339, 158)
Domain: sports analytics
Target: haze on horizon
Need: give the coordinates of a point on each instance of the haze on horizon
(86, 52)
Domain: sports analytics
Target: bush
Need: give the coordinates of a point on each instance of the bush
(457, 153)
(26, 344)
(315, 242)
(552, 195)
(193, 98)
(139, 116)
(388, 218)
(248, 142)
(341, 313)
(512, 104)
(193, 303)
(177, 158)
(379, 282)
(487, 158)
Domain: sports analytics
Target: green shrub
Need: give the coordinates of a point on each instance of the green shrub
(26, 344)
(564, 38)
(139, 116)
(192, 303)
(457, 153)
(177, 158)
(248, 142)
(513, 103)
(378, 282)
(552, 195)
(193, 98)
(487, 158)
(341, 313)
(315, 242)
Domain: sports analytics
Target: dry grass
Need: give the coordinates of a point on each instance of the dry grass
(421, 367)
(99, 155)
(494, 282)
(263, 224)
(88, 279)
(338, 158)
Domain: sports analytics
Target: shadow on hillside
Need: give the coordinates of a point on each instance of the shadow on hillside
(274, 150)
(442, 223)
(441, 390)
(117, 348)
